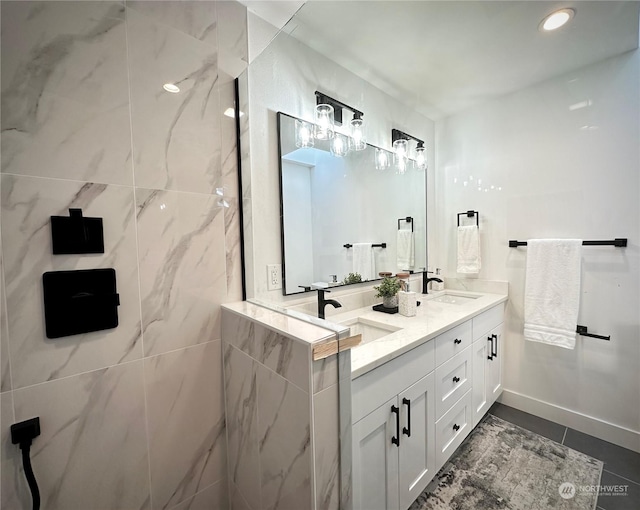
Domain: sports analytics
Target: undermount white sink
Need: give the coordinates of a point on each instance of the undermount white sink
(369, 330)
(455, 298)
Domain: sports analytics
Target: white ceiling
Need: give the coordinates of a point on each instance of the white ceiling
(440, 57)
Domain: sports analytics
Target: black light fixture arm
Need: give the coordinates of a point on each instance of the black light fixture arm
(396, 134)
(322, 98)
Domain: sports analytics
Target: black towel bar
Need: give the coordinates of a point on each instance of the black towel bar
(582, 331)
(617, 242)
(378, 245)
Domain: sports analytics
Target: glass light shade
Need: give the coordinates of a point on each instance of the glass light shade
(304, 134)
(357, 140)
(382, 159)
(421, 158)
(324, 128)
(400, 155)
(339, 145)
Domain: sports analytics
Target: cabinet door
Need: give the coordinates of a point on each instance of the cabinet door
(481, 350)
(417, 443)
(495, 366)
(375, 459)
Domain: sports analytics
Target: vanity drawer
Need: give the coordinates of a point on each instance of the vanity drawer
(452, 428)
(488, 320)
(451, 342)
(453, 379)
(371, 390)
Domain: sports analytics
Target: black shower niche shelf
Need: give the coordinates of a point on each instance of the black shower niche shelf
(77, 302)
(75, 234)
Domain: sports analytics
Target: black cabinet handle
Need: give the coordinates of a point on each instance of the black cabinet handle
(456, 379)
(407, 430)
(456, 427)
(396, 439)
(457, 341)
(490, 339)
(494, 354)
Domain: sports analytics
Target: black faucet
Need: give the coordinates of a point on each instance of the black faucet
(322, 302)
(426, 280)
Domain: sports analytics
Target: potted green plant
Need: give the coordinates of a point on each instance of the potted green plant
(388, 291)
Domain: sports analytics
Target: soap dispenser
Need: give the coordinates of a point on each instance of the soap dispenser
(407, 300)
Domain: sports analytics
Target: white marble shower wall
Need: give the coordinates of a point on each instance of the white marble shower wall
(132, 417)
(282, 412)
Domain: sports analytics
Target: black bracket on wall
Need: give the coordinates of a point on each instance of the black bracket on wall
(75, 234)
(77, 302)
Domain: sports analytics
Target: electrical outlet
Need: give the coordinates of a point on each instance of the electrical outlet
(274, 276)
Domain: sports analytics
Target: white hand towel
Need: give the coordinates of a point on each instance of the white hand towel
(469, 249)
(405, 249)
(552, 291)
(363, 261)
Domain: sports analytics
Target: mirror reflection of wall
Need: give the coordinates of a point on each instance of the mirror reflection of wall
(331, 201)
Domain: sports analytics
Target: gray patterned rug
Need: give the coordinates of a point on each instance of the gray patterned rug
(503, 466)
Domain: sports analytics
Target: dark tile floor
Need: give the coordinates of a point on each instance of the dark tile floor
(621, 466)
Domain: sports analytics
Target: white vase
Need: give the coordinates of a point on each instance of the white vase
(390, 301)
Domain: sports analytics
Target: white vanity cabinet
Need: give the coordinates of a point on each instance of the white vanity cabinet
(410, 414)
(488, 360)
(394, 444)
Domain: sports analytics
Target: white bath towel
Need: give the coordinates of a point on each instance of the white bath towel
(405, 249)
(363, 261)
(552, 291)
(469, 249)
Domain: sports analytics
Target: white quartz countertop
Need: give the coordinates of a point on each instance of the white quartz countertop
(432, 319)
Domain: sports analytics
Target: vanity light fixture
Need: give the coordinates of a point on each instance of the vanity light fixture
(170, 87)
(323, 104)
(556, 19)
(401, 151)
(324, 127)
(421, 158)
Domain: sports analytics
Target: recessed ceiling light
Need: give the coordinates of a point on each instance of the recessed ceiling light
(556, 19)
(170, 87)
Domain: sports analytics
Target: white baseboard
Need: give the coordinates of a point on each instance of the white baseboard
(615, 434)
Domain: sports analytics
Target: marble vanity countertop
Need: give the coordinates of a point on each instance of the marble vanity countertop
(432, 319)
(300, 330)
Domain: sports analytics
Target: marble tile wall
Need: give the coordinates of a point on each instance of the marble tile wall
(132, 417)
(268, 405)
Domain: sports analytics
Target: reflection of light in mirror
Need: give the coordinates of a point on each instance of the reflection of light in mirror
(339, 145)
(455, 180)
(464, 183)
(170, 87)
(581, 104)
(587, 127)
(163, 206)
(382, 159)
(499, 188)
(401, 165)
(471, 177)
(492, 186)
(230, 112)
(324, 122)
(479, 188)
(304, 130)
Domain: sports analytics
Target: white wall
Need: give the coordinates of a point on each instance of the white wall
(284, 78)
(564, 171)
